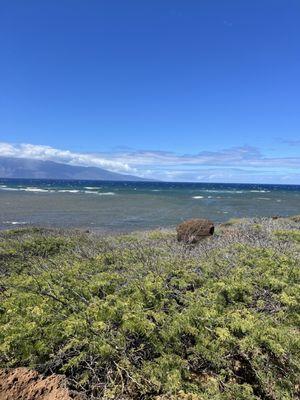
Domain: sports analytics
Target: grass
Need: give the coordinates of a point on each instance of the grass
(141, 316)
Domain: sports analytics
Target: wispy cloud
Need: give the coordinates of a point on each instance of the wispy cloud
(229, 175)
(291, 142)
(236, 164)
(235, 156)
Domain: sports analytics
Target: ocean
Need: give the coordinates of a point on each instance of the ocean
(130, 206)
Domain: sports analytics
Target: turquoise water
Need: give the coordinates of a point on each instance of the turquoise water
(127, 206)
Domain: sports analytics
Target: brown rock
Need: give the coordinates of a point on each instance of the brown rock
(194, 230)
(25, 384)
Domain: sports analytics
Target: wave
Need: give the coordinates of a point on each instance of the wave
(33, 189)
(260, 191)
(8, 188)
(86, 192)
(26, 189)
(223, 191)
(42, 190)
(68, 191)
(15, 222)
(106, 193)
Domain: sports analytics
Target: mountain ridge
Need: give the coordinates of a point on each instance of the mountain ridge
(27, 168)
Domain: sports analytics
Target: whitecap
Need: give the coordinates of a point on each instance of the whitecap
(198, 197)
(33, 189)
(10, 189)
(223, 191)
(25, 189)
(260, 191)
(99, 193)
(15, 222)
(68, 191)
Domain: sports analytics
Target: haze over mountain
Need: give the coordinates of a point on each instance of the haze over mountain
(11, 167)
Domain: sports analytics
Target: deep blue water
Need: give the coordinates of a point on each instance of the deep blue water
(127, 206)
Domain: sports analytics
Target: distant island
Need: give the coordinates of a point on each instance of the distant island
(26, 168)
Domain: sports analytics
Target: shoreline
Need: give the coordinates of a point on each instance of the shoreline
(124, 231)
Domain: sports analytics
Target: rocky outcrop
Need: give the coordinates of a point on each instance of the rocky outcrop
(25, 384)
(194, 230)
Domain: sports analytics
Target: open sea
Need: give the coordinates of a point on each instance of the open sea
(129, 206)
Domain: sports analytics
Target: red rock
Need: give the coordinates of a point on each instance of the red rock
(25, 384)
(194, 230)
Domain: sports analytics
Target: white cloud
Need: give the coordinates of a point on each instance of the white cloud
(40, 152)
(237, 164)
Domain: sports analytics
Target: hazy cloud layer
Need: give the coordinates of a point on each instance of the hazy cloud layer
(291, 142)
(237, 164)
(235, 156)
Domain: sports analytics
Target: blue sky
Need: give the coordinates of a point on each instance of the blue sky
(175, 90)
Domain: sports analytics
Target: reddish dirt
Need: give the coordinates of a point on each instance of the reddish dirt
(24, 384)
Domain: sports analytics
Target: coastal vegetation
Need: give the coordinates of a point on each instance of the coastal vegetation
(141, 316)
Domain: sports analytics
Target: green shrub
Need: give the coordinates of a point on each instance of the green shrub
(149, 318)
(288, 235)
